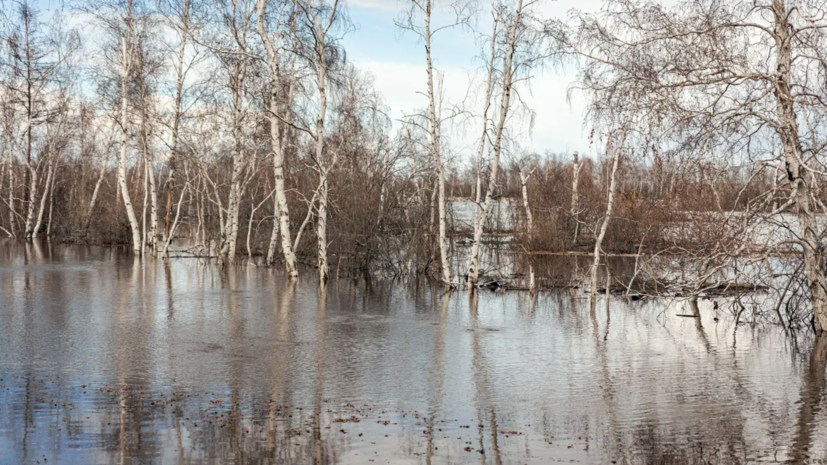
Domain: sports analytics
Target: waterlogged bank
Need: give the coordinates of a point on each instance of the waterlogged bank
(105, 359)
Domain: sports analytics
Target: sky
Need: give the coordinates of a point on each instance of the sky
(396, 59)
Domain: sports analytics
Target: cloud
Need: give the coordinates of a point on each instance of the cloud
(558, 123)
(386, 5)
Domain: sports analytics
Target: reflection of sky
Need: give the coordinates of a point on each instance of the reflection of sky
(641, 384)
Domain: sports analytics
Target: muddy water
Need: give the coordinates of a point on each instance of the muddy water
(104, 359)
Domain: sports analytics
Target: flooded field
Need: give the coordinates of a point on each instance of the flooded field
(105, 359)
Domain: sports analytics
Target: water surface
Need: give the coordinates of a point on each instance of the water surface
(107, 359)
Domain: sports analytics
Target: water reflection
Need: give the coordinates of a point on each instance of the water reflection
(104, 359)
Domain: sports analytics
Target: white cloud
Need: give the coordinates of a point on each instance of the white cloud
(386, 5)
(558, 124)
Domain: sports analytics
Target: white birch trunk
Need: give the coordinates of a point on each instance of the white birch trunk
(323, 165)
(30, 206)
(598, 244)
(50, 166)
(126, 57)
(95, 192)
(12, 211)
(274, 234)
(321, 228)
(505, 103)
(529, 219)
(575, 195)
(152, 237)
(489, 87)
(798, 174)
(435, 153)
(229, 238)
(281, 227)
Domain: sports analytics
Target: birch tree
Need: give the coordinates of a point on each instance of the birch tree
(179, 17)
(121, 23)
(235, 20)
(320, 51)
(614, 149)
(514, 38)
(34, 62)
(418, 19)
(736, 80)
(279, 116)
(576, 166)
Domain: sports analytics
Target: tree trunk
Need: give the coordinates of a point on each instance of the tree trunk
(274, 235)
(505, 103)
(281, 226)
(30, 204)
(489, 87)
(575, 196)
(176, 123)
(152, 237)
(95, 192)
(797, 173)
(529, 219)
(598, 244)
(435, 153)
(50, 167)
(130, 212)
(321, 224)
(229, 238)
(12, 211)
(321, 228)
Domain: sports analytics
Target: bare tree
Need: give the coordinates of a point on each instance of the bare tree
(463, 10)
(320, 51)
(735, 80)
(576, 166)
(34, 64)
(279, 114)
(515, 37)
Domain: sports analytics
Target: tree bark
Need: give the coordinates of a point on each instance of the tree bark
(799, 175)
(598, 244)
(435, 153)
(529, 219)
(281, 226)
(126, 59)
(505, 103)
(489, 87)
(575, 195)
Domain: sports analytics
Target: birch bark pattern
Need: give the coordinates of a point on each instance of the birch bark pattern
(435, 153)
(126, 62)
(282, 225)
(575, 195)
(152, 239)
(489, 86)
(323, 166)
(229, 236)
(505, 103)
(529, 219)
(598, 244)
(797, 173)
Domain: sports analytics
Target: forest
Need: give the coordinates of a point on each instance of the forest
(239, 130)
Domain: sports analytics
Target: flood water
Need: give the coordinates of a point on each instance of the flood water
(105, 359)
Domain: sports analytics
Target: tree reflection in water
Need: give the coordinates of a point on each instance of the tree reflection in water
(110, 360)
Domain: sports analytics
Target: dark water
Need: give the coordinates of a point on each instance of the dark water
(104, 359)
